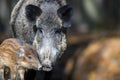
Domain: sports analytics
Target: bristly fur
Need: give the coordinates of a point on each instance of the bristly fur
(20, 4)
(8, 56)
(37, 22)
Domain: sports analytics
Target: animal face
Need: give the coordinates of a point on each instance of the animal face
(50, 24)
(27, 58)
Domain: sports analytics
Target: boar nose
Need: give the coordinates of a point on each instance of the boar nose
(47, 65)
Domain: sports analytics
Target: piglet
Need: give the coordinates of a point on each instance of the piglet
(18, 56)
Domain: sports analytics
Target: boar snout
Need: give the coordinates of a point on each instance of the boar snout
(46, 65)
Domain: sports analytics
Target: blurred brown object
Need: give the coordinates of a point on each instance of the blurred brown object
(99, 61)
(76, 38)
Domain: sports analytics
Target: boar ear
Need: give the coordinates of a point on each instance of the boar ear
(20, 52)
(32, 12)
(65, 13)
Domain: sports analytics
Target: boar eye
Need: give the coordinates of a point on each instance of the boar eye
(58, 31)
(29, 57)
(35, 28)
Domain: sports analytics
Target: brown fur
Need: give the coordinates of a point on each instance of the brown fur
(100, 60)
(9, 51)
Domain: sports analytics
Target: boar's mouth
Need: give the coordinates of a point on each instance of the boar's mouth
(46, 68)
